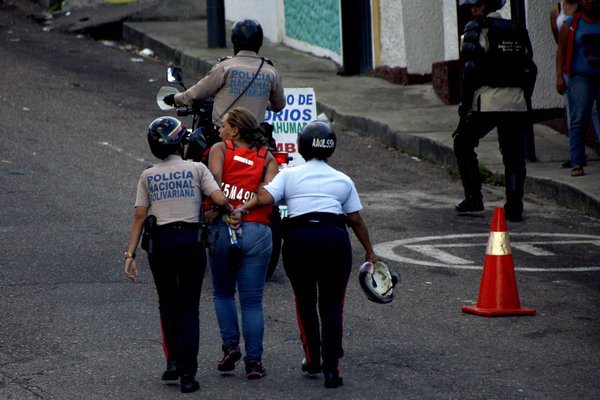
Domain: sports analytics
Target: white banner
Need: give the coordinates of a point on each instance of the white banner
(300, 109)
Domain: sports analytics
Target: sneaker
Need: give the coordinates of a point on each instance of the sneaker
(255, 370)
(333, 379)
(469, 205)
(232, 354)
(311, 368)
(170, 375)
(188, 384)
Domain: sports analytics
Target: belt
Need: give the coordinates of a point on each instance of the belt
(316, 218)
(177, 226)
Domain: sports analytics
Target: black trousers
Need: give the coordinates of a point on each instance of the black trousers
(317, 258)
(512, 130)
(178, 264)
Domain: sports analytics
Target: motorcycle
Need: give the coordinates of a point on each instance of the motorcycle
(203, 135)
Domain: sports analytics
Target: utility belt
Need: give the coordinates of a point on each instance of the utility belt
(176, 227)
(317, 218)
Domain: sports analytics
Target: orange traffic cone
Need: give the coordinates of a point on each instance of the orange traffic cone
(498, 294)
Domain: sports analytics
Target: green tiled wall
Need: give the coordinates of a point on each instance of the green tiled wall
(316, 22)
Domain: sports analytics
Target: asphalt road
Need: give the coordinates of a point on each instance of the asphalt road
(73, 118)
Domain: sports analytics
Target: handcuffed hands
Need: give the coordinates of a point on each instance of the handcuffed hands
(235, 218)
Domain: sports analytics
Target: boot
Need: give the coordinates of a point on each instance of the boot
(513, 208)
(471, 180)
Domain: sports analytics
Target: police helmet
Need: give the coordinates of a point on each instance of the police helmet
(492, 5)
(316, 140)
(165, 135)
(246, 34)
(378, 282)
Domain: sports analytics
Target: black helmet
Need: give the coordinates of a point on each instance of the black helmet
(246, 34)
(165, 134)
(316, 140)
(492, 5)
(378, 281)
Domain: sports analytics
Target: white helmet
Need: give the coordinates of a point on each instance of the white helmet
(378, 281)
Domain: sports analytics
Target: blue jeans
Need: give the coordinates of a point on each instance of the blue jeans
(249, 279)
(582, 92)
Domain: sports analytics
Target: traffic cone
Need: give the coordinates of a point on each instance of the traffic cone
(498, 294)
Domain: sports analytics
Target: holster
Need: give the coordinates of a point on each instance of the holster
(148, 233)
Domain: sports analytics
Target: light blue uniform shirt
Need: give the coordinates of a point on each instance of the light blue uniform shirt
(314, 187)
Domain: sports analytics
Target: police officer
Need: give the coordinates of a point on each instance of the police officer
(172, 190)
(499, 75)
(244, 80)
(317, 254)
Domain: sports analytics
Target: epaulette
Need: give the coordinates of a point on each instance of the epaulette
(268, 61)
(223, 58)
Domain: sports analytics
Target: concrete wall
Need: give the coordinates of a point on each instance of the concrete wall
(314, 26)
(544, 54)
(268, 12)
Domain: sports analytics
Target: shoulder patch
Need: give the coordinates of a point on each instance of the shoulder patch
(220, 59)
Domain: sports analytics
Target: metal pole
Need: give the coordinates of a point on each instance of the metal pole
(215, 23)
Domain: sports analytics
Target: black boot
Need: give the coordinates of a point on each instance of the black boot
(170, 375)
(188, 384)
(513, 208)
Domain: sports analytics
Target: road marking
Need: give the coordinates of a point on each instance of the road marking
(120, 150)
(434, 251)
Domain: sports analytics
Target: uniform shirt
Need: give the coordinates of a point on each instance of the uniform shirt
(172, 189)
(497, 99)
(228, 79)
(314, 187)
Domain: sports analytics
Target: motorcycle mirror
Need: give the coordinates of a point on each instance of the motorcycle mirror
(175, 75)
(162, 92)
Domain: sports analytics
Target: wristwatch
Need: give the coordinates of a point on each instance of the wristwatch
(128, 254)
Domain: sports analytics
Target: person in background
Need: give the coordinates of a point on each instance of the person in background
(239, 258)
(172, 191)
(577, 75)
(317, 254)
(496, 91)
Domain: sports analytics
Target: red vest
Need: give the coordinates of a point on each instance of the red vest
(243, 172)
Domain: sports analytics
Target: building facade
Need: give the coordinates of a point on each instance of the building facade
(405, 41)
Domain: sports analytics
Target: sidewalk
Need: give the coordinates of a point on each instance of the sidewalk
(411, 119)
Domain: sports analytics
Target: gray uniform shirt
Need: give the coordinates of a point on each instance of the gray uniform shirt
(228, 79)
(173, 188)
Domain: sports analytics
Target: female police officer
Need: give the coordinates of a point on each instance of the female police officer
(317, 254)
(173, 189)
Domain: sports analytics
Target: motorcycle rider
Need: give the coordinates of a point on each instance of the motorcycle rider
(498, 80)
(244, 80)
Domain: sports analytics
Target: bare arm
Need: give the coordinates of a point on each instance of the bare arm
(561, 55)
(216, 158)
(362, 233)
(131, 269)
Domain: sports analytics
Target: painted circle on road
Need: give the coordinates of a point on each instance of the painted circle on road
(441, 251)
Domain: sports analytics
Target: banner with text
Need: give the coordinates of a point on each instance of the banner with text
(300, 109)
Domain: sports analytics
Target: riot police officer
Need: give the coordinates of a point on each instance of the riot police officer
(244, 80)
(498, 80)
(317, 254)
(172, 190)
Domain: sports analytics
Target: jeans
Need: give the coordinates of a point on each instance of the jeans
(249, 279)
(595, 115)
(582, 92)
